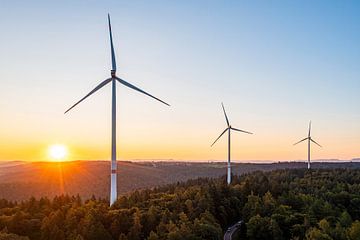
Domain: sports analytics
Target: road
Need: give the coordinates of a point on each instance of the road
(232, 229)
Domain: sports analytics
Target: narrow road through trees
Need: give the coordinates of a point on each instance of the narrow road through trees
(232, 229)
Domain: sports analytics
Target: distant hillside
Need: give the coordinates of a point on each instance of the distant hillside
(20, 180)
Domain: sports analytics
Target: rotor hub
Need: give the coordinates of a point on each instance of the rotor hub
(113, 73)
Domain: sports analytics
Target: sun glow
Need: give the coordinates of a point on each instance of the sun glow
(57, 152)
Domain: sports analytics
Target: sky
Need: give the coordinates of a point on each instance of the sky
(275, 65)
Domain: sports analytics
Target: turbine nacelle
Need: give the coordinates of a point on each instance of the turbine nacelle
(229, 128)
(308, 137)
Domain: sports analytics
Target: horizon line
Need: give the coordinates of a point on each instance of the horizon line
(191, 161)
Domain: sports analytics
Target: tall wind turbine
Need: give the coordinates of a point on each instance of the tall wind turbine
(309, 138)
(113, 80)
(228, 129)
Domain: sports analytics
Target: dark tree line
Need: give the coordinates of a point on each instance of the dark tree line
(282, 204)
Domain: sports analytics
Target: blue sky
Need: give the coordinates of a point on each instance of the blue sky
(275, 65)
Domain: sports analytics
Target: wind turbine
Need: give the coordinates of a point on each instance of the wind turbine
(113, 80)
(228, 129)
(309, 143)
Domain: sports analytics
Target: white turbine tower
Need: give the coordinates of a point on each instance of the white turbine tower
(309, 143)
(228, 129)
(113, 79)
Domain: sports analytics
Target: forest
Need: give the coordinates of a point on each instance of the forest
(280, 204)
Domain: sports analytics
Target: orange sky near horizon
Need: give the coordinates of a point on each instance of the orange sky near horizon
(246, 148)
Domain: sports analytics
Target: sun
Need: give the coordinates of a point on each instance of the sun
(57, 152)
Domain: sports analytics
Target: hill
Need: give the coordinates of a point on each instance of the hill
(21, 180)
(281, 204)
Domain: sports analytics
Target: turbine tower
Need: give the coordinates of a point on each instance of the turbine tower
(309, 143)
(113, 80)
(228, 129)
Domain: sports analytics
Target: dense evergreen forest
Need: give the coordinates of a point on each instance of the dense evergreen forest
(281, 204)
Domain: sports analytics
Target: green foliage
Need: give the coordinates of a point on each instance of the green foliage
(282, 204)
(354, 231)
(259, 228)
(316, 234)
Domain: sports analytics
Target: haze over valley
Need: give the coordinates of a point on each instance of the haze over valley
(22, 180)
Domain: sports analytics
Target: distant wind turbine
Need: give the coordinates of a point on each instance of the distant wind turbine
(113, 79)
(228, 129)
(309, 143)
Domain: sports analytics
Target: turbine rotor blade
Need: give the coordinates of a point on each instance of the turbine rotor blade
(227, 120)
(219, 136)
(240, 130)
(315, 142)
(113, 61)
(103, 83)
(139, 90)
(309, 129)
(301, 141)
